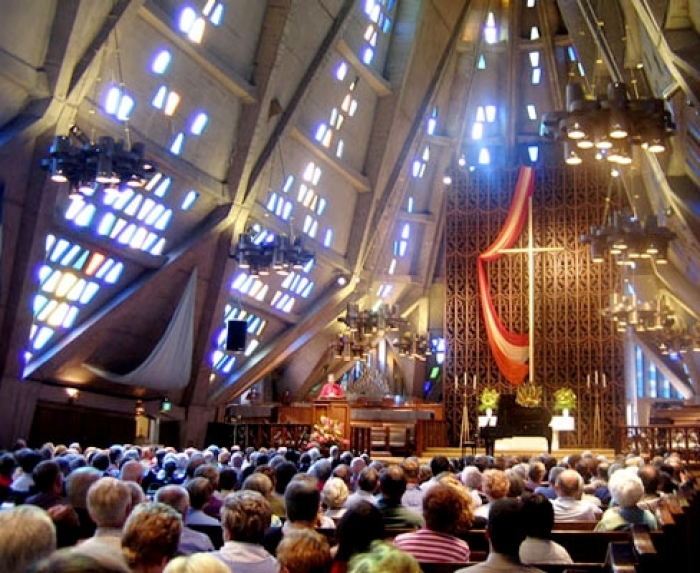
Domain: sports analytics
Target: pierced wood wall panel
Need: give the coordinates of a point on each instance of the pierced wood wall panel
(572, 339)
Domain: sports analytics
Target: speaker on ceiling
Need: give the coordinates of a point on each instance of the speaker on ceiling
(235, 335)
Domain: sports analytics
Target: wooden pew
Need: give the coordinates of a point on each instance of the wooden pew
(547, 567)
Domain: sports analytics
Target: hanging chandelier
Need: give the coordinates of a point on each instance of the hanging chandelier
(262, 252)
(642, 316)
(352, 346)
(86, 165)
(372, 321)
(627, 240)
(607, 129)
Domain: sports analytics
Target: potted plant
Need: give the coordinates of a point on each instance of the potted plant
(489, 401)
(564, 401)
(327, 433)
(529, 395)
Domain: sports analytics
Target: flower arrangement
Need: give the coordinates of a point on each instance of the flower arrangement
(529, 395)
(564, 399)
(489, 399)
(326, 433)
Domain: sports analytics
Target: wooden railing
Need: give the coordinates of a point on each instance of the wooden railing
(258, 435)
(659, 440)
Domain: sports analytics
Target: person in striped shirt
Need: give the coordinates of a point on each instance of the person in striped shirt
(447, 512)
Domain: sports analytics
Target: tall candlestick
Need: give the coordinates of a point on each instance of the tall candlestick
(474, 382)
(588, 381)
(604, 384)
(465, 381)
(596, 377)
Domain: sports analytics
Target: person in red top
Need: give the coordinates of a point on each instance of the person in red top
(447, 513)
(330, 389)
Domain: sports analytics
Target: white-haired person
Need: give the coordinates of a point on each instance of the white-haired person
(333, 497)
(109, 505)
(626, 489)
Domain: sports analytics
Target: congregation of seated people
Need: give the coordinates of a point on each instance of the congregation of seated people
(151, 509)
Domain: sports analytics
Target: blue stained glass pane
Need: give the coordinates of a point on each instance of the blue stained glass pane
(367, 56)
(163, 221)
(228, 365)
(39, 303)
(70, 255)
(149, 242)
(133, 206)
(42, 337)
(44, 273)
(58, 250)
(271, 202)
(153, 215)
(52, 281)
(106, 224)
(148, 204)
(158, 100)
(73, 209)
(85, 217)
(80, 263)
(126, 236)
(88, 294)
(112, 100)
(189, 199)
(70, 318)
(113, 275)
(217, 16)
(161, 62)
(158, 249)
(104, 268)
(307, 291)
(123, 199)
(177, 144)
(199, 123)
(187, 19)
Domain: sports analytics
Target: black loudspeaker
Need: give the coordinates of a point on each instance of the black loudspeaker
(235, 335)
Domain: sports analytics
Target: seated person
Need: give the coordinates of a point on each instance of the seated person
(447, 512)
(191, 541)
(151, 536)
(392, 486)
(539, 522)
(384, 558)
(505, 531)
(199, 562)
(304, 551)
(360, 525)
(27, 535)
(495, 485)
(626, 489)
(245, 515)
(200, 491)
(568, 505)
(331, 389)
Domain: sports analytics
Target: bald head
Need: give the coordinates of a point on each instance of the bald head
(132, 471)
(175, 496)
(569, 484)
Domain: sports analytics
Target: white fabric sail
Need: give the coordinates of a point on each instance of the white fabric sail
(169, 366)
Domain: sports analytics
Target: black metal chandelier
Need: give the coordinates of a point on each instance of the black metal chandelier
(278, 253)
(606, 129)
(642, 316)
(85, 165)
(371, 321)
(627, 240)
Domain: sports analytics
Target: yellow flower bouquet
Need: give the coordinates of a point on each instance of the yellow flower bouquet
(564, 399)
(489, 399)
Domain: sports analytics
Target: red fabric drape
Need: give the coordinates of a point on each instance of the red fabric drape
(509, 349)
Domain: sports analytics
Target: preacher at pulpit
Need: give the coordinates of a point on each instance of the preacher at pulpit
(331, 389)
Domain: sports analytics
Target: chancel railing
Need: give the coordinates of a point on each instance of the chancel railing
(660, 440)
(293, 436)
